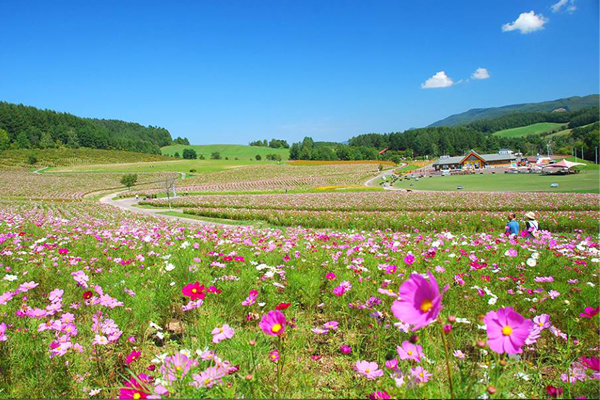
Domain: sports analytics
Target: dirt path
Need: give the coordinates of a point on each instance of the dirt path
(128, 204)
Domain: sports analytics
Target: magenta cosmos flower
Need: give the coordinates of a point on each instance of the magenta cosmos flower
(507, 330)
(222, 333)
(194, 291)
(369, 369)
(420, 301)
(273, 323)
(136, 388)
(134, 355)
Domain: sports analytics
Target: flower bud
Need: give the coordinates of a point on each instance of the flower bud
(252, 343)
(452, 319)
(481, 344)
(491, 389)
(413, 339)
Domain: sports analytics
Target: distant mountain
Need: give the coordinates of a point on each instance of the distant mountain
(574, 103)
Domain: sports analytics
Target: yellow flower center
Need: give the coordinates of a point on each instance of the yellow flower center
(136, 395)
(409, 353)
(390, 290)
(276, 328)
(367, 370)
(421, 374)
(221, 330)
(426, 305)
(540, 324)
(178, 368)
(507, 330)
(206, 381)
(194, 290)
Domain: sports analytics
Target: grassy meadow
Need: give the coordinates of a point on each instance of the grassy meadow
(231, 151)
(586, 181)
(533, 129)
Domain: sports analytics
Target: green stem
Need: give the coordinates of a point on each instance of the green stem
(448, 369)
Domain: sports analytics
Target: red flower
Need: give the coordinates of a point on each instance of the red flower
(87, 295)
(282, 306)
(553, 391)
(194, 291)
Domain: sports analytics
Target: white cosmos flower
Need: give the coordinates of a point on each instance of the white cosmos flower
(10, 278)
(531, 262)
(170, 267)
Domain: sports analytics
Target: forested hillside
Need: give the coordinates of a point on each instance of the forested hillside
(574, 103)
(24, 127)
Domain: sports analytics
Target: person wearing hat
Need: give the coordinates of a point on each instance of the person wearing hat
(531, 225)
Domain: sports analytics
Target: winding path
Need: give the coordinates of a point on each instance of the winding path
(128, 204)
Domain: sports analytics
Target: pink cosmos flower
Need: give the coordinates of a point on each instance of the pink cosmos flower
(208, 378)
(320, 331)
(409, 259)
(63, 251)
(592, 363)
(194, 291)
(420, 301)
(134, 355)
(331, 325)
(392, 364)
(251, 298)
(273, 323)
(542, 321)
(379, 395)
(420, 374)
(339, 290)
(345, 349)
(3, 337)
(136, 388)
(511, 252)
(409, 351)
(369, 369)
(553, 294)
(589, 312)
(274, 355)
(330, 276)
(222, 333)
(507, 330)
(459, 354)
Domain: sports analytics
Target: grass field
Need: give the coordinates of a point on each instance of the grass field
(585, 181)
(533, 129)
(231, 151)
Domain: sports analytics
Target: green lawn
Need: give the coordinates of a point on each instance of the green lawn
(176, 165)
(232, 151)
(533, 129)
(587, 181)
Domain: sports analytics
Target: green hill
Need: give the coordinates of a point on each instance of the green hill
(533, 129)
(64, 157)
(574, 103)
(231, 151)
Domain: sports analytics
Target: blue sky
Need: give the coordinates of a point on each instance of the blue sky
(234, 71)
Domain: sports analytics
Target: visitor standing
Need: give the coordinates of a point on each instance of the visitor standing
(512, 228)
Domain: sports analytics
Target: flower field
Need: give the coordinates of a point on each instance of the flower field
(98, 303)
(22, 184)
(401, 211)
(276, 177)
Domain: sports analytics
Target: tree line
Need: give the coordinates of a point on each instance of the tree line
(273, 143)
(27, 127)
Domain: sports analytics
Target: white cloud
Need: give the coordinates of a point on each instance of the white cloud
(526, 23)
(570, 6)
(480, 73)
(439, 80)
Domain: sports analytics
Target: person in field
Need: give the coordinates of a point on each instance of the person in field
(512, 227)
(532, 226)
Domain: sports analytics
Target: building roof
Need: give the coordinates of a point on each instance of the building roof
(485, 157)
